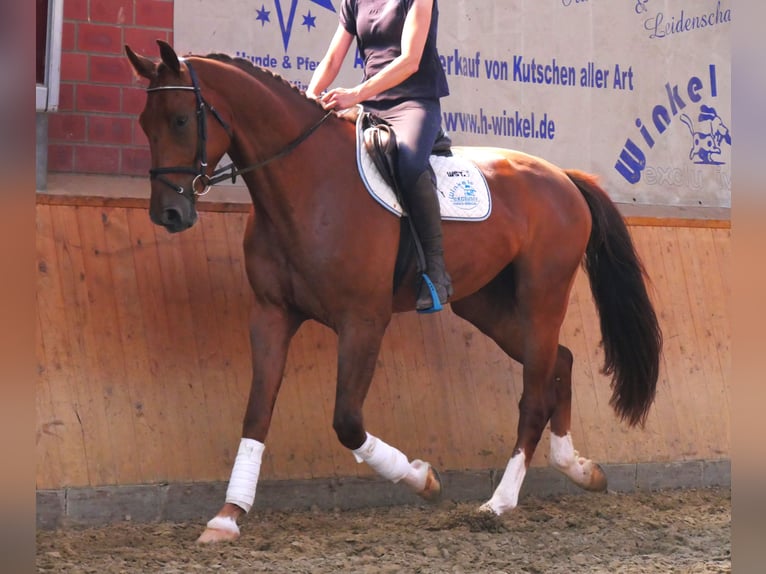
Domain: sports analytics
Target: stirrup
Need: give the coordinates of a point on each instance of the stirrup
(436, 302)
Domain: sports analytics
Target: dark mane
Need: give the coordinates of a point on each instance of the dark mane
(257, 71)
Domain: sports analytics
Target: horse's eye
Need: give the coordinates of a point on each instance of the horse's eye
(181, 121)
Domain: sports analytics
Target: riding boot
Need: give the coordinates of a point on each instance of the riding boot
(423, 208)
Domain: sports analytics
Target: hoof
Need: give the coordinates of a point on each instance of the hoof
(494, 508)
(497, 505)
(432, 493)
(598, 480)
(219, 529)
(211, 536)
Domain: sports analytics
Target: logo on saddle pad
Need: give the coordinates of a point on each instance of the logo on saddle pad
(463, 195)
(462, 190)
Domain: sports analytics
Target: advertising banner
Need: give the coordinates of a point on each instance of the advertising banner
(636, 91)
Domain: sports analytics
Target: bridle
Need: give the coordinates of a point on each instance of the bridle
(229, 171)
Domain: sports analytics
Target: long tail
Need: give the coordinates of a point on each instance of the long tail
(632, 338)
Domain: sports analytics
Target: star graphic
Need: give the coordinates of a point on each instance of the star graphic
(309, 21)
(263, 15)
(287, 26)
(324, 4)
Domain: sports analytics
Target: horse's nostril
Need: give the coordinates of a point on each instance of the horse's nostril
(171, 216)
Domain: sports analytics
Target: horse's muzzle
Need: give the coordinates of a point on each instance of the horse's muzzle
(174, 219)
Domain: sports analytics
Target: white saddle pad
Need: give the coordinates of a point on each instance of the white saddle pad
(461, 187)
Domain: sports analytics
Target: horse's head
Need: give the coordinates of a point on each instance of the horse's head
(185, 147)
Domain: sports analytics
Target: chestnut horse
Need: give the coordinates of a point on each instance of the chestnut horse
(317, 246)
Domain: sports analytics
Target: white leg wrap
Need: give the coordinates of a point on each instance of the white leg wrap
(566, 459)
(392, 464)
(244, 475)
(225, 523)
(506, 495)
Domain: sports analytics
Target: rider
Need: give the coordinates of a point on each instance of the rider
(403, 81)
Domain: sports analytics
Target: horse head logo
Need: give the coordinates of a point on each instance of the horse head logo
(706, 142)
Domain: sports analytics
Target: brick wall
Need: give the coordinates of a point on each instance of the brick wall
(96, 129)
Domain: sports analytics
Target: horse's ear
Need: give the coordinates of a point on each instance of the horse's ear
(169, 57)
(144, 67)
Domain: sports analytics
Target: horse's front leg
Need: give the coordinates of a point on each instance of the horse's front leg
(271, 330)
(358, 349)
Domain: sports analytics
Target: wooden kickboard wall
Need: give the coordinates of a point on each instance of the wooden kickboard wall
(144, 362)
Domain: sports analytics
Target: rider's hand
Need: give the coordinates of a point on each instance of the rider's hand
(340, 98)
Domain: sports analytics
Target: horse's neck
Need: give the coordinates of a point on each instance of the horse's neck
(275, 113)
(269, 116)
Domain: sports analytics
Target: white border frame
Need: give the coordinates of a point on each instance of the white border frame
(47, 94)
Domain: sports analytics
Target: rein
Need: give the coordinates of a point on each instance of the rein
(229, 171)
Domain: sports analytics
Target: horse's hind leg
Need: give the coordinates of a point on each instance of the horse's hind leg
(358, 349)
(525, 323)
(563, 457)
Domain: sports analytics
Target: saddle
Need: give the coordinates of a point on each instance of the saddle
(380, 141)
(461, 188)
